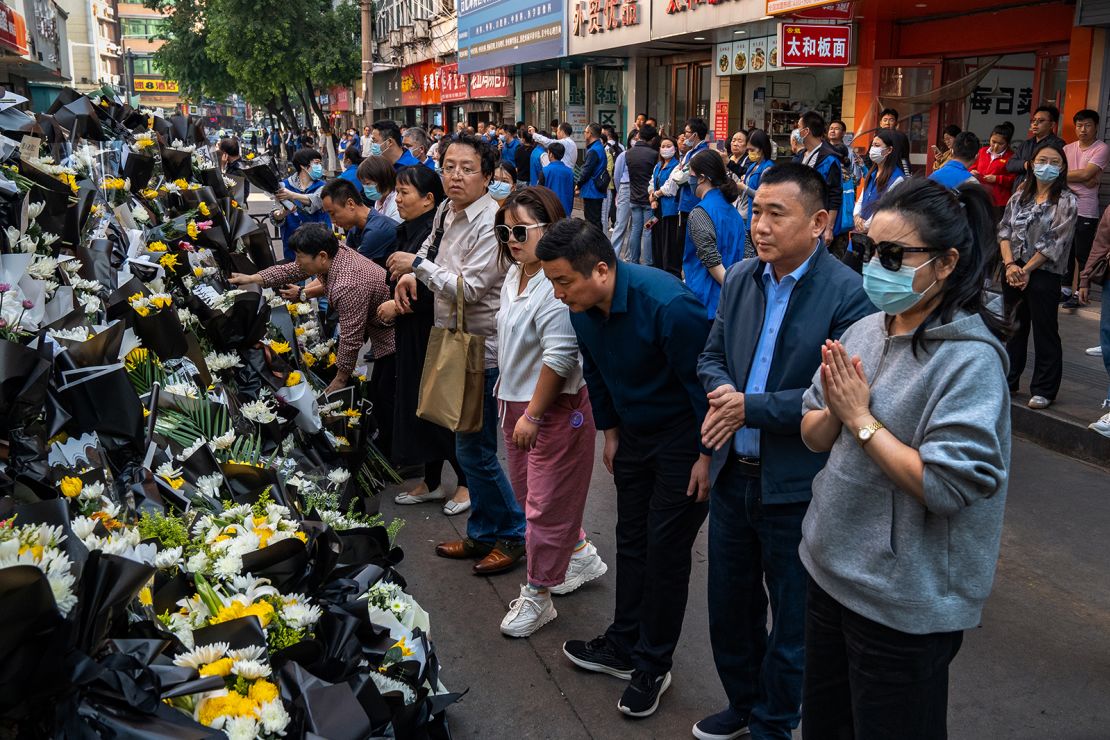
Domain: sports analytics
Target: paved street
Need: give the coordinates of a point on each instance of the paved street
(1037, 668)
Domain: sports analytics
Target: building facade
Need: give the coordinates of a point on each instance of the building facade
(95, 46)
(140, 27)
(34, 50)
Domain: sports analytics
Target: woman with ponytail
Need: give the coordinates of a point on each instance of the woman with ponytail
(902, 535)
(714, 230)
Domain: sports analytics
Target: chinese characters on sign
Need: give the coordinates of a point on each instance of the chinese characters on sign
(491, 83)
(681, 6)
(1014, 102)
(420, 84)
(598, 16)
(811, 45)
(842, 11)
(492, 33)
(155, 86)
(786, 7)
(13, 30)
(453, 87)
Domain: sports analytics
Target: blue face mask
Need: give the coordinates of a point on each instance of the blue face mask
(375, 149)
(500, 190)
(503, 137)
(1046, 172)
(371, 192)
(892, 292)
(316, 171)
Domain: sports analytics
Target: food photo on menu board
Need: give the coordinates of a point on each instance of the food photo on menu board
(722, 62)
(759, 56)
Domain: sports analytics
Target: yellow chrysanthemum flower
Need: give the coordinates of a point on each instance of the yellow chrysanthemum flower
(263, 691)
(204, 210)
(145, 596)
(192, 230)
(161, 301)
(308, 359)
(142, 311)
(294, 379)
(332, 359)
(181, 183)
(168, 261)
(156, 247)
(149, 193)
(198, 271)
(279, 347)
(406, 651)
(221, 667)
(71, 487)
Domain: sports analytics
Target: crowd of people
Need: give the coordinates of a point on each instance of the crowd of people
(801, 351)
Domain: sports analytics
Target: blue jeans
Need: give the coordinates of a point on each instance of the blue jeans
(750, 541)
(639, 241)
(620, 225)
(494, 513)
(1104, 333)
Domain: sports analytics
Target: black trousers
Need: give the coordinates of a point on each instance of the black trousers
(1036, 308)
(666, 247)
(383, 385)
(656, 527)
(591, 208)
(866, 681)
(1081, 243)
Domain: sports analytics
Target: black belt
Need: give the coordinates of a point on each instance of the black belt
(749, 466)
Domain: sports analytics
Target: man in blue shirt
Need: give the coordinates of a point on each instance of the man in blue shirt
(558, 178)
(373, 235)
(957, 170)
(594, 164)
(755, 373)
(639, 330)
(506, 134)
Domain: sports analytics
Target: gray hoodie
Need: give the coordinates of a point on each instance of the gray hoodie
(880, 552)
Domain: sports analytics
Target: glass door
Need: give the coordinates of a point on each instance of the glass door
(680, 86)
(913, 80)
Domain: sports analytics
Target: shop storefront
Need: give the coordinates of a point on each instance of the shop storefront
(387, 96)
(945, 68)
(420, 94)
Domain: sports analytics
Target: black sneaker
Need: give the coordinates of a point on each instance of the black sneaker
(641, 698)
(599, 655)
(1071, 304)
(727, 724)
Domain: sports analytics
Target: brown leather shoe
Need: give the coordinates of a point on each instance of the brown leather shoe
(502, 559)
(463, 549)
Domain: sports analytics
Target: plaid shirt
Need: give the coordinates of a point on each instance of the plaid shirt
(355, 287)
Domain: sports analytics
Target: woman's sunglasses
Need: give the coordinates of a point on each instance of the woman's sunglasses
(889, 253)
(518, 233)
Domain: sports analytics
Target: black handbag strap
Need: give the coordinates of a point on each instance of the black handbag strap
(433, 251)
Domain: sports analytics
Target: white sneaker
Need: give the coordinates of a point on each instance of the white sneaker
(585, 565)
(1094, 351)
(528, 613)
(1102, 426)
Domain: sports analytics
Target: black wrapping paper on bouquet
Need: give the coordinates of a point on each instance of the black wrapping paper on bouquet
(16, 123)
(102, 349)
(238, 190)
(242, 325)
(284, 563)
(96, 262)
(214, 179)
(162, 333)
(55, 136)
(108, 583)
(78, 115)
(55, 196)
(117, 305)
(247, 483)
(77, 217)
(24, 375)
(328, 709)
(139, 168)
(260, 173)
(69, 320)
(238, 633)
(28, 465)
(260, 248)
(119, 423)
(176, 164)
(189, 129)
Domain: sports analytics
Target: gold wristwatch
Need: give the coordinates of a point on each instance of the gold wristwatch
(864, 434)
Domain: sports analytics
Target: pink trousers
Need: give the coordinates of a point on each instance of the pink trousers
(551, 482)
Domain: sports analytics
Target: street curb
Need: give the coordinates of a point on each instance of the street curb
(1060, 434)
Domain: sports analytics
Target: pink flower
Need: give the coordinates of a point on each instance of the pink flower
(204, 225)
(186, 245)
(4, 287)
(3, 323)
(28, 303)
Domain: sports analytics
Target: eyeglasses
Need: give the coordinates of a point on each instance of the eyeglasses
(451, 170)
(518, 233)
(889, 253)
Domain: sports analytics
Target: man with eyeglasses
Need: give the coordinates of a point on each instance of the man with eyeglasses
(1041, 128)
(468, 250)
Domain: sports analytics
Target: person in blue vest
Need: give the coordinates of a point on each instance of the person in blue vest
(559, 178)
(536, 163)
(590, 178)
(759, 155)
(506, 135)
(666, 247)
(880, 180)
(692, 141)
(352, 158)
(308, 177)
(957, 170)
(714, 232)
(821, 156)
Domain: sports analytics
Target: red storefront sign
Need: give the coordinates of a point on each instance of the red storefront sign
(835, 12)
(681, 6)
(812, 45)
(491, 83)
(720, 121)
(453, 87)
(420, 84)
(13, 30)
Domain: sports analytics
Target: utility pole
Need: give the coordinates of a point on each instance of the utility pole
(367, 63)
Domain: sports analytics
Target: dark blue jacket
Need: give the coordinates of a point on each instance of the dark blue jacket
(640, 361)
(376, 240)
(594, 163)
(560, 180)
(535, 166)
(687, 198)
(826, 301)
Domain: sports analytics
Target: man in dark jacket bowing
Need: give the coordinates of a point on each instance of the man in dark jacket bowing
(755, 373)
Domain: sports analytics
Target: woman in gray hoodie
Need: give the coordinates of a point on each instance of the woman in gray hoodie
(902, 536)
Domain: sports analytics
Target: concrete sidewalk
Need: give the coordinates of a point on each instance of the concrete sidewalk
(1036, 668)
(1063, 425)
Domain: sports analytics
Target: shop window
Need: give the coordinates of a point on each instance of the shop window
(143, 66)
(1053, 74)
(607, 97)
(142, 28)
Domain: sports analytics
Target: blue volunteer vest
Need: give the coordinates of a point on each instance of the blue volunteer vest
(730, 243)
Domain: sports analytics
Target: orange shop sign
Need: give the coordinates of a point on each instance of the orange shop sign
(785, 7)
(156, 86)
(13, 30)
(420, 84)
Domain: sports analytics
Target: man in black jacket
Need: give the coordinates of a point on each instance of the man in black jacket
(592, 167)
(818, 154)
(640, 161)
(1043, 128)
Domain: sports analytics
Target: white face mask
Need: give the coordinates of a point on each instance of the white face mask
(877, 154)
(667, 152)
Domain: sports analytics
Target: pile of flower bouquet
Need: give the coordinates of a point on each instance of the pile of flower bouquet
(189, 537)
